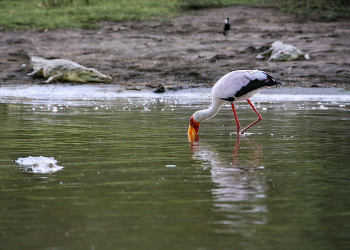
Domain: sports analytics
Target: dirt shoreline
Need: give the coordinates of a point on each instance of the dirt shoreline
(189, 51)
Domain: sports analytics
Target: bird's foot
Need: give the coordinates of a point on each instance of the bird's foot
(238, 133)
(245, 134)
(241, 134)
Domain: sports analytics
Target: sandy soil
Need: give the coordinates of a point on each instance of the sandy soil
(189, 51)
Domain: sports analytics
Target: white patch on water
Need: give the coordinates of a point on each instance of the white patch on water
(302, 94)
(41, 164)
(109, 91)
(243, 135)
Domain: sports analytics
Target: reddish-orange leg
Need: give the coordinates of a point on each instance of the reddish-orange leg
(258, 120)
(236, 117)
(237, 121)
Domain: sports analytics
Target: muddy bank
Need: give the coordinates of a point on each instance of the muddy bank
(189, 50)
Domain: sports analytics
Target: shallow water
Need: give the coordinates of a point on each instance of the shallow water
(132, 180)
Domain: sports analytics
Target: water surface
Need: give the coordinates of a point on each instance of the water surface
(132, 180)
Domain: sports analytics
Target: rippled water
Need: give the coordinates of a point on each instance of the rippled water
(132, 180)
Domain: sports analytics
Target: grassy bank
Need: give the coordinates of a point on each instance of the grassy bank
(328, 9)
(53, 14)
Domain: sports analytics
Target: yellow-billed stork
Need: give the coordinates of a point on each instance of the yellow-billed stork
(235, 86)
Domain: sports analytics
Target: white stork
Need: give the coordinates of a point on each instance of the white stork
(235, 86)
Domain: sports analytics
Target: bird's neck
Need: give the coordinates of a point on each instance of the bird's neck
(205, 114)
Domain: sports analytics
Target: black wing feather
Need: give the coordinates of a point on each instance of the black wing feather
(251, 86)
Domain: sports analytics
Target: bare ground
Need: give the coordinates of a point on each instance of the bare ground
(189, 51)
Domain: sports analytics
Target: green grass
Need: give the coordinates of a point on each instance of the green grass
(38, 14)
(54, 14)
(329, 9)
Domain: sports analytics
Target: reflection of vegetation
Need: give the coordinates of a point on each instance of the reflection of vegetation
(116, 186)
(87, 131)
(53, 14)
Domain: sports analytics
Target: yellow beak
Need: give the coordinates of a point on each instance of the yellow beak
(191, 130)
(193, 137)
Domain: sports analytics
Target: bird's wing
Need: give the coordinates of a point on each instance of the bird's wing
(238, 83)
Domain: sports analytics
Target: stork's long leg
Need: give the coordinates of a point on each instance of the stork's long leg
(236, 118)
(258, 120)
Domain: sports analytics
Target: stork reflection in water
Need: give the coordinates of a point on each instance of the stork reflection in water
(238, 186)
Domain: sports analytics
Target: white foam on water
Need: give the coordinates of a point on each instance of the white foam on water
(109, 91)
(170, 166)
(41, 164)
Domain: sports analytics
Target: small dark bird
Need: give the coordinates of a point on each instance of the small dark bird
(227, 26)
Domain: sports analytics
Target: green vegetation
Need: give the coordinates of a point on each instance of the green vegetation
(328, 9)
(325, 8)
(200, 4)
(53, 14)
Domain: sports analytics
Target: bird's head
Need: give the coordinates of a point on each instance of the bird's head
(193, 127)
(271, 81)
